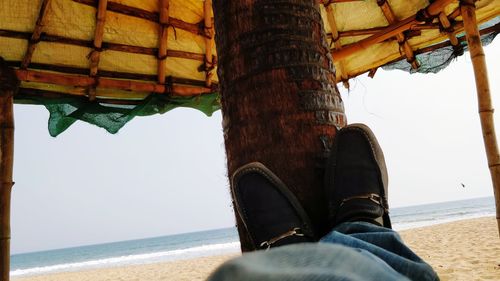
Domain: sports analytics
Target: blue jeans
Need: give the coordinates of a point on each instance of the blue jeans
(351, 251)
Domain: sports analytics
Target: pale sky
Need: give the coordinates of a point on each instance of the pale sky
(166, 174)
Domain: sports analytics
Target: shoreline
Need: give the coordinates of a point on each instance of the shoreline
(456, 250)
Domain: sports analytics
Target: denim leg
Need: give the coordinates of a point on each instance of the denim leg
(307, 262)
(354, 251)
(383, 243)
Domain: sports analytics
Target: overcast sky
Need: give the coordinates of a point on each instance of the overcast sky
(166, 174)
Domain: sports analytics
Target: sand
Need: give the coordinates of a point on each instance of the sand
(461, 250)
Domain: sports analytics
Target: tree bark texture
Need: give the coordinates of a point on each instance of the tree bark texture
(8, 86)
(280, 103)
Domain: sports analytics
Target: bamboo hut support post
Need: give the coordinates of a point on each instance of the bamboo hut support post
(484, 97)
(8, 86)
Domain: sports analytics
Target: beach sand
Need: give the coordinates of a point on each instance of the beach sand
(461, 250)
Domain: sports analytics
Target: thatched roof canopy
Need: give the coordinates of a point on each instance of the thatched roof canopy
(89, 58)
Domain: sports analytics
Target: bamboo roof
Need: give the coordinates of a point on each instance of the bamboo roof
(122, 51)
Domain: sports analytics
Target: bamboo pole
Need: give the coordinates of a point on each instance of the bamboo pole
(25, 95)
(392, 30)
(209, 42)
(402, 40)
(179, 54)
(337, 45)
(147, 15)
(111, 74)
(105, 45)
(37, 32)
(449, 29)
(173, 53)
(95, 55)
(328, 2)
(375, 30)
(128, 85)
(163, 38)
(489, 30)
(8, 86)
(200, 57)
(486, 31)
(98, 36)
(483, 96)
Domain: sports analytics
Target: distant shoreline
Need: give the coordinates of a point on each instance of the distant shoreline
(454, 249)
(214, 242)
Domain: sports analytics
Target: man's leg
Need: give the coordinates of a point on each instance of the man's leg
(356, 184)
(383, 243)
(361, 245)
(307, 261)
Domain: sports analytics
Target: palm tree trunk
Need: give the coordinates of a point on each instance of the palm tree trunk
(280, 103)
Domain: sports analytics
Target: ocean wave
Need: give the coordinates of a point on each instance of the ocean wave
(433, 221)
(197, 251)
(404, 218)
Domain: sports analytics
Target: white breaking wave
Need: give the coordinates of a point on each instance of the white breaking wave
(422, 223)
(402, 221)
(133, 259)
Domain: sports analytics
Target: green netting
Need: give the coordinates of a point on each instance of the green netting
(436, 60)
(64, 112)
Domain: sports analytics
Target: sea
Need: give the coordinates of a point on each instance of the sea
(213, 242)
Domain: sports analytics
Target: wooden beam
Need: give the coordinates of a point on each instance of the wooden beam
(128, 85)
(163, 38)
(8, 87)
(35, 36)
(485, 104)
(390, 31)
(402, 40)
